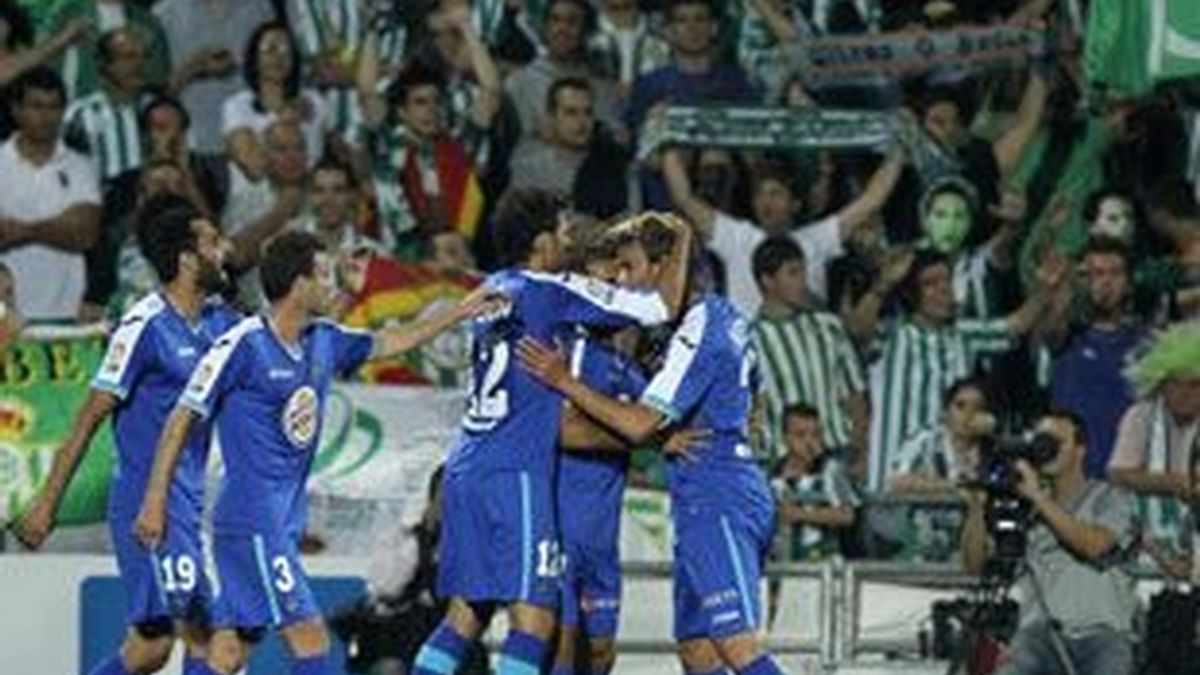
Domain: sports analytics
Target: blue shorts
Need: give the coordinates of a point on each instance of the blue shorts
(591, 595)
(169, 581)
(499, 540)
(261, 582)
(718, 568)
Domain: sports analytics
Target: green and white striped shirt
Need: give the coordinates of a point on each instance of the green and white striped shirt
(622, 55)
(808, 358)
(109, 133)
(910, 380)
(324, 26)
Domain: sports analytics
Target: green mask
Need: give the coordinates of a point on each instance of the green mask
(947, 223)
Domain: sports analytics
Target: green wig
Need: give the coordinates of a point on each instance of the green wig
(1173, 352)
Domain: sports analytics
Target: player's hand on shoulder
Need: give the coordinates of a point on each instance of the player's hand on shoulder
(543, 362)
(482, 302)
(36, 525)
(151, 523)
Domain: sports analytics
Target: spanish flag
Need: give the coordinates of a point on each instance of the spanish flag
(459, 204)
(392, 292)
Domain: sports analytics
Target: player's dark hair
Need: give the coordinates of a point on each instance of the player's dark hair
(40, 78)
(1078, 425)
(964, 383)
(771, 255)
(164, 232)
(521, 217)
(910, 286)
(800, 410)
(288, 257)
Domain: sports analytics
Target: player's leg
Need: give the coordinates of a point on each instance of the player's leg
(146, 649)
(228, 651)
(526, 545)
(464, 570)
(699, 657)
(195, 636)
(451, 641)
(531, 626)
(565, 653)
(600, 605)
(308, 642)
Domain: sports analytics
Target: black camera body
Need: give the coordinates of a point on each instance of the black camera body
(1006, 513)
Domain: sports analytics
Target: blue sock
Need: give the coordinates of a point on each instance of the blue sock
(443, 650)
(112, 666)
(193, 665)
(522, 654)
(312, 665)
(763, 665)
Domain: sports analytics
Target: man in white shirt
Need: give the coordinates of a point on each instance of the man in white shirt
(49, 203)
(775, 205)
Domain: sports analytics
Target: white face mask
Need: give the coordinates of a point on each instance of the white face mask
(1115, 219)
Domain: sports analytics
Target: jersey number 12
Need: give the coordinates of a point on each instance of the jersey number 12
(488, 402)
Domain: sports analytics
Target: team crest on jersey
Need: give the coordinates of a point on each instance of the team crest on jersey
(300, 417)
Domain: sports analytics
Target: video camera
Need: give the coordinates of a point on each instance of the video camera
(1006, 513)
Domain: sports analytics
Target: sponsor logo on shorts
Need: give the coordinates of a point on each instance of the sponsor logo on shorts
(300, 415)
(726, 617)
(725, 597)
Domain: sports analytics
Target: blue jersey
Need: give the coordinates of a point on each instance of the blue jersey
(511, 422)
(150, 357)
(590, 484)
(268, 398)
(709, 381)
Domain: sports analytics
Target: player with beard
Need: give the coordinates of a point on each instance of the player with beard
(150, 356)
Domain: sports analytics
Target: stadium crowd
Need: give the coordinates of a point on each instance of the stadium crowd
(1022, 252)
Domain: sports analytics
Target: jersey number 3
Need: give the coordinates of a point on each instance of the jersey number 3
(488, 403)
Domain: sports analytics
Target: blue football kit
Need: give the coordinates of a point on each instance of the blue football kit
(149, 358)
(590, 488)
(722, 507)
(500, 538)
(267, 398)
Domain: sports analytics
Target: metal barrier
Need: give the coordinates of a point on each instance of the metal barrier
(838, 640)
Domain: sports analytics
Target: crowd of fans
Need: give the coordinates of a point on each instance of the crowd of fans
(900, 321)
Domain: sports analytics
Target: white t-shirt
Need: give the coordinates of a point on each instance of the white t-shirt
(50, 281)
(240, 112)
(734, 241)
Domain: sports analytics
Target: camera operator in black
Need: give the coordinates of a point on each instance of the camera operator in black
(1072, 580)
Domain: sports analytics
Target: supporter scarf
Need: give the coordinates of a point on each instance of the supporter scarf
(775, 128)
(909, 53)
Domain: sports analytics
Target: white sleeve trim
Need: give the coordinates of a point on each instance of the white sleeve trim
(209, 370)
(645, 307)
(124, 343)
(685, 345)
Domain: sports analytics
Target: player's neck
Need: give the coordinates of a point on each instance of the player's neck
(185, 298)
(287, 319)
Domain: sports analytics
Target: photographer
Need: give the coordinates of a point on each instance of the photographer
(1077, 600)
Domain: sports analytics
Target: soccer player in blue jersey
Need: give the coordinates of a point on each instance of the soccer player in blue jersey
(265, 382)
(150, 356)
(721, 504)
(500, 544)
